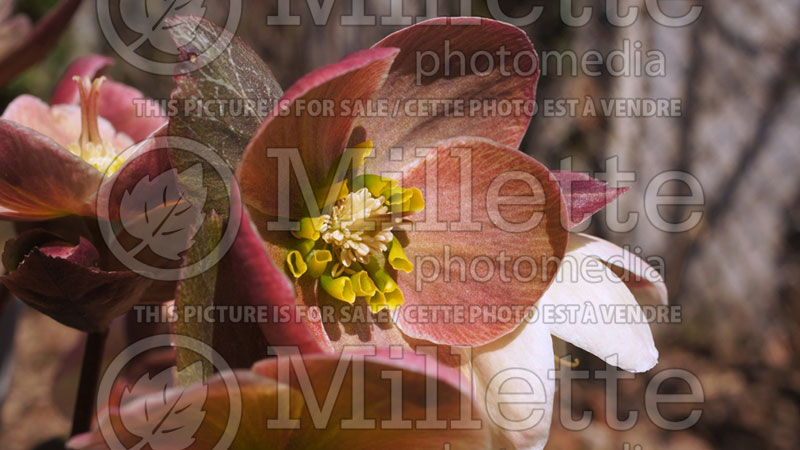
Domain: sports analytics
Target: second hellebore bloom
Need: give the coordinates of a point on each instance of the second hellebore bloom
(435, 215)
(378, 198)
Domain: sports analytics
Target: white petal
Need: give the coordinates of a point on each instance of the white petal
(642, 279)
(582, 307)
(516, 368)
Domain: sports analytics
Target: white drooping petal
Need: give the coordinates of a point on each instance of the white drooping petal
(515, 385)
(590, 307)
(641, 278)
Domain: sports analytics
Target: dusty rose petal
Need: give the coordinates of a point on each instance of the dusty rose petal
(467, 266)
(247, 275)
(584, 195)
(62, 281)
(12, 215)
(502, 85)
(321, 138)
(201, 410)
(66, 91)
(41, 179)
(263, 391)
(147, 160)
(644, 281)
(453, 398)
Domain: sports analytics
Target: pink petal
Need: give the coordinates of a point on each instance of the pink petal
(322, 138)
(452, 395)
(41, 179)
(641, 278)
(63, 126)
(502, 85)
(62, 281)
(62, 123)
(521, 234)
(264, 392)
(66, 91)
(584, 195)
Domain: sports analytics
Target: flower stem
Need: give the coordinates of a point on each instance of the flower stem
(87, 388)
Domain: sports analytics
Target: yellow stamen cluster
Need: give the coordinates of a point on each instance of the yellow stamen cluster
(90, 146)
(350, 249)
(355, 229)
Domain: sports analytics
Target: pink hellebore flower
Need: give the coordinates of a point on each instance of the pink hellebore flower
(54, 158)
(389, 194)
(367, 231)
(55, 155)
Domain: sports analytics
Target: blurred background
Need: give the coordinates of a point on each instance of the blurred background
(736, 73)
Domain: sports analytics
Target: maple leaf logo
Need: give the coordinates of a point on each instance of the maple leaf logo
(163, 417)
(149, 19)
(163, 216)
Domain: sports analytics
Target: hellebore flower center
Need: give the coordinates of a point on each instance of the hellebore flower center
(90, 145)
(348, 248)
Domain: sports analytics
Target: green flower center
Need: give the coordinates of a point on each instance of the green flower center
(353, 251)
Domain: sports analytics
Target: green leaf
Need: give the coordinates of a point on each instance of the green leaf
(197, 293)
(238, 77)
